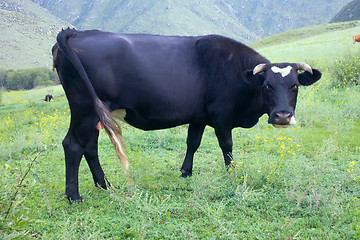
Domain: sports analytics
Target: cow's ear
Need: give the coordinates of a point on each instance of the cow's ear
(250, 78)
(306, 78)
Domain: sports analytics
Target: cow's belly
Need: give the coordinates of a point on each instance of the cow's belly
(158, 103)
(154, 121)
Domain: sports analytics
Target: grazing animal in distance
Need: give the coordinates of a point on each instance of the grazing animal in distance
(157, 82)
(356, 38)
(49, 98)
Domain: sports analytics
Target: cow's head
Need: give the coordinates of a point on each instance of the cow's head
(279, 88)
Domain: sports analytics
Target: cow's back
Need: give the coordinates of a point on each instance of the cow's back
(156, 78)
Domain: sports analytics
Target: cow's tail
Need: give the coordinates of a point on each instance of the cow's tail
(111, 126)
(113, 130)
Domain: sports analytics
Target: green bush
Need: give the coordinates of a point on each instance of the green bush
(1, 95)
(26, 78)
(2, 76)
(346, 70)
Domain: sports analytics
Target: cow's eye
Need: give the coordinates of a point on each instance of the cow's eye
(295, 87)
(267, 87)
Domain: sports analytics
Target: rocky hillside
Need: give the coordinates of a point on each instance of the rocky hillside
(28, 28)
(350, 12)
(245, 20)
(27, 33)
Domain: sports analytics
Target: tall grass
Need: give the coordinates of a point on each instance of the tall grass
(346, 69)
(301, 182)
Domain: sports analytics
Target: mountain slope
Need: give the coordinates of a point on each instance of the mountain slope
(268, 17)
(350, 12)
(170, 17)
(27, 33)
(245, 20)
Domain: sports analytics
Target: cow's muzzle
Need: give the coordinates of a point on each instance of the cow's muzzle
(282, 119)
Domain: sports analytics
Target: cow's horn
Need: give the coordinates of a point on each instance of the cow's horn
(259, 68)
(305, 67)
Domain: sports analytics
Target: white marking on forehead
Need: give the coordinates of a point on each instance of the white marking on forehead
(284, 71)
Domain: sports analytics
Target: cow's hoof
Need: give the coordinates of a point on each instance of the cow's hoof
(74, 199)
(104, 184)
(185, 174)
(99, 185)
(109, 183)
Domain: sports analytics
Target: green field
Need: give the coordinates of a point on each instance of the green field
(297, 183)
(301, 182)
(320, 44)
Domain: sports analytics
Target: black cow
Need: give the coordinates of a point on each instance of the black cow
(156, 82)
(48, 98)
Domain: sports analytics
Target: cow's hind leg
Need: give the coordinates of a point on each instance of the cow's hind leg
(92, 158)
(195, 133)
(81, 140)
(73, 154)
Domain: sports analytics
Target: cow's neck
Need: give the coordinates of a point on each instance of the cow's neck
(252, 109)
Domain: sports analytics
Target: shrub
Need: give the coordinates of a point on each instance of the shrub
(26, 78)
(1, 94)
(11, 79)
(2, 76)
(346, 70)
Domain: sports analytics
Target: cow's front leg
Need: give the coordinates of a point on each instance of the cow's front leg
(225, 142)
(195, 133)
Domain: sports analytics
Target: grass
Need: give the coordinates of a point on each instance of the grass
(296, 183)
(302, 182)
(321, 44)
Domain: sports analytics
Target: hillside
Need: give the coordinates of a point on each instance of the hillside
(350, 12)
(269, 17)
(27, 33)
(319, 45)
(245, 20)
(174, 17)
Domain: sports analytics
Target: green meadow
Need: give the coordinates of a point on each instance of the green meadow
(319, 44)
(301, 182)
